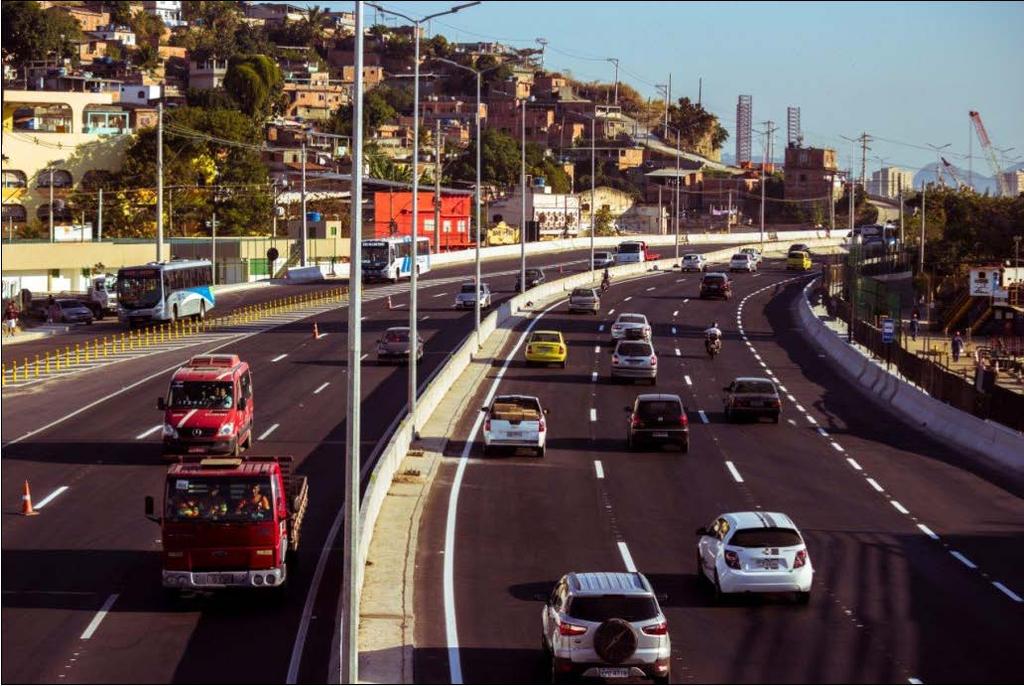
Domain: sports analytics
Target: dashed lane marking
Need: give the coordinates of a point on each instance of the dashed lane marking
(967, 563)
(267, 432)
(48, 499)
(853, 463)
(149, 432)
(1010, 594)
(597, 348)
(599, 469)
(280, 357)
(735, 472)
(875, 485)
(836, 446)
(822, 432)
(928, 532)
(627, 298)
(600, 328)
(321, 387)
(673, 331)
(899, 507)
(703, 417)
(593, 414)
(593, 377)
(687, 379)
(676, 313)
(650, 289)
(96, 620)
(611, 311)
(679, 353)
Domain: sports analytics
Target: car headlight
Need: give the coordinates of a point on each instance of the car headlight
(226, 429)
(170, 431)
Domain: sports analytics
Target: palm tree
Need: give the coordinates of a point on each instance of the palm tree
(314, 22)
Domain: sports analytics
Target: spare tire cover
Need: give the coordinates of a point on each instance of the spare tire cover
(614, 641)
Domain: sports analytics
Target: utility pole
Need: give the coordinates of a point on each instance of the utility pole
(522, 230)
(159, 180)
(213, 245)
(660, 211)
(864, 140)
(615, 61)
(668, 103)
(99, 216)
(593, 187)
(677, 193)
(1016, 253)
(768, 132)
(51, 207)
(901, 211)
(303, 201)
(924, 188)
(349, 648)
(852, 192)
(437, 188)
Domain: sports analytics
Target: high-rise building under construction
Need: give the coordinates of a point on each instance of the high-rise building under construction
(744, 113)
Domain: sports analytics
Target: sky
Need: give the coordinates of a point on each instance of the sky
(906, 73)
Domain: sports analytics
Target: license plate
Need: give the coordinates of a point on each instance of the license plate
(196, 450)
(770, 563)
(757, 403)
(660, 434)
(514, 434)
(613, 672)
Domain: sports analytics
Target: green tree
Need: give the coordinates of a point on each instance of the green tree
(376, 111)
(255, 82)
(314, 26)
(148, 28)
(603, 225)
(29, 33)
(147, 57)
(120, 11)
(696, 125)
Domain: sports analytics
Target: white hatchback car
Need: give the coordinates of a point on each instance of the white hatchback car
(742, 262)
(631, 320)
(694, 262)
(754, 552)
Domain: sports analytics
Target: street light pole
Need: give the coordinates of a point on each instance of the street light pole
(678, 143)
(159, 181)
(305, 232)
(522, 223)
(593, 186)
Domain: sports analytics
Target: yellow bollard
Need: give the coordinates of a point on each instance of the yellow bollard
(106, 346)
(37, 366)
(14, 372)
(78, 354)
(67, 356)
(122, 341)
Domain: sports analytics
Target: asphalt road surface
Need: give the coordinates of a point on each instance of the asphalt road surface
(917, 550)
(81, 593)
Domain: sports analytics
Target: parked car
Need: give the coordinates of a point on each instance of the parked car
(74, 312)
(694, 262)
(635, 360)
(603, 259)
(394, 345)
(716, 285)
(546, 347)
(658, 418)
(466, 297)
(754, 552)
(584, 300)
(799, 260)
(605, 625)
(534, 277)
(515, 421)
(754, 253)
(752, 397)
(742, 262)
(630, 320)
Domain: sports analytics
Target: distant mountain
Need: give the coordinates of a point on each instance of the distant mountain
(979, 181)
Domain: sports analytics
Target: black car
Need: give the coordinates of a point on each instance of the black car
(534, 277)
(752, 397)
(716, 285)
(658, 418)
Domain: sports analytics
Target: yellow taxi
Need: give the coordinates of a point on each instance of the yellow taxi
(547, 347)
(799, 260)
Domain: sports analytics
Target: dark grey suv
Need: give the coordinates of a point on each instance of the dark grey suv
(657, 419)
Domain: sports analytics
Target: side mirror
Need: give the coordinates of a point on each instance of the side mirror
(545, 410)
(242, 404)
(161, 404)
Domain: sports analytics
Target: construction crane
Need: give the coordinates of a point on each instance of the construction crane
(990, 154)
(952, 172)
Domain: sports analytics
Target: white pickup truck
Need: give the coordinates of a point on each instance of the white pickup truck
(515, 421)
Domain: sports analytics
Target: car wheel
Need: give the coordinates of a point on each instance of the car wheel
(630, 445)
(728, 415)
(716, 590)
(684, 446)
(664, 679)
(202, 310)
(803, 597)
(541, 450)
(775, 418)
(563, 364)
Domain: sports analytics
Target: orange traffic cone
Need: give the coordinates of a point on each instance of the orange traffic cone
(316, 331)
(26, 502)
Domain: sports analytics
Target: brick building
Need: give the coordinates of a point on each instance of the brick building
(809, 172)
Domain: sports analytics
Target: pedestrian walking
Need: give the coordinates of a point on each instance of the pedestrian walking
(51, 305)
(915, 323)
(958, 346)
(11, 319)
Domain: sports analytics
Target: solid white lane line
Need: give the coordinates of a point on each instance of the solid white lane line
(46, 501)
(267, 432)
(963, 559)
(679, 353)
(899, 507)
(593, 377)
(95, 623)
(626, 557)
(280, 357)
(703, 417)
(853, 463)
(1010, 594)
(149, 432)
(735, 472)
(322, 386)
(822, 432)
(627, 298)
(676, 313)
(928, 532)
(687, 379)
(875, 485)
(593, 414)
(599, 469)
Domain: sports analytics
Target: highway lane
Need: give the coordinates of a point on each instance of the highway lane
(890, 603)
(96, 525)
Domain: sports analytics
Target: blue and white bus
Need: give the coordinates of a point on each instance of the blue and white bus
(165, 291)
(390, 259)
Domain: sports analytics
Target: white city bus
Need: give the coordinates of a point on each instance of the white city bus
(165, 291)
(390, 259)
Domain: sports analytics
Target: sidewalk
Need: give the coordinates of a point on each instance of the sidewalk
(938, 348)
(36, 333)
(386, 618)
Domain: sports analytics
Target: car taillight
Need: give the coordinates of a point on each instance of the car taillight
(732, 560)
(801, 559)
(683, 421)
(529, 349)
(615, 359)
(567, 629)
(776, 403)
(561, 350)
(636, 422)
(659, 629)
(654, 360)
(487, 425)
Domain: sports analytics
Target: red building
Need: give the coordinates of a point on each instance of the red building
(392, 216)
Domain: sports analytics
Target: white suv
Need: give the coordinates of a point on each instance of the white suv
(515, 421)
(742, 262)
(754, 552)
(605, 625)
(694, 262)
(631, 320)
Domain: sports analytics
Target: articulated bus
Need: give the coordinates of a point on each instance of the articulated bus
(165, 291)
(390, 259)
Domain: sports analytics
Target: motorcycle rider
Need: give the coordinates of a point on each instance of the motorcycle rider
(713, 338)
(606, 280)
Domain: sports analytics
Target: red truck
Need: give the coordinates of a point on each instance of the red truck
(230, 522)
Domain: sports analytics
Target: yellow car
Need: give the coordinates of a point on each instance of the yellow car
(799, 260)
(547, 347)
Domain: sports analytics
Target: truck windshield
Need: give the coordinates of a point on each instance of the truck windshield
(218, 499)
(629, 248)
(139, 288)
(201, 395)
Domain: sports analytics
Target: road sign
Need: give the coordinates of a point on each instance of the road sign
(888, 330)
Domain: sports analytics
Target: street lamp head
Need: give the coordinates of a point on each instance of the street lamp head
(463, 6)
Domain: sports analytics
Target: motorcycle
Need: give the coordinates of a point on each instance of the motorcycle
(713, 346)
